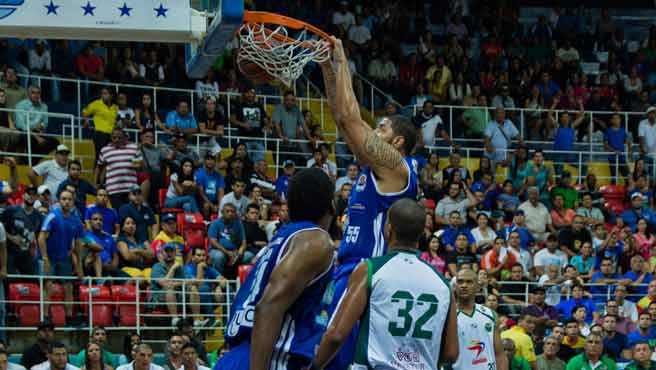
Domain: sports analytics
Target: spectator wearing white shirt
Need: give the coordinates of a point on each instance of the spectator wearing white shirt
(190, 358)
(359, 33)
(383, 70)
(343, 17)
(143, 359)
(498, 137)
(57, 359)
(320, 159)
(552, 282)
(351, 175)
(152, 71)
(429, 125)
(647, 136)
(126, 115)
(53, 171)
(537, 217)
(549, 255)
(207, 88)
(567, 53)
(40, 63)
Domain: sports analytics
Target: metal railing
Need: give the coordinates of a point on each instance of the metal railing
(147, 313)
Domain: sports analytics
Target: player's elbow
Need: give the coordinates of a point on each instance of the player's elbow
(451, 352)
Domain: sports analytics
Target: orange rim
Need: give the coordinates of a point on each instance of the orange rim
(260, 18)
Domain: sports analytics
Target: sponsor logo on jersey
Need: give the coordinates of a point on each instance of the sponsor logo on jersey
(488, 327)
(362, 182)
(477, 347)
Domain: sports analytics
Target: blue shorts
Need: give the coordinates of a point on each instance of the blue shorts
(344, 357)
(58, 268)
(238, 358)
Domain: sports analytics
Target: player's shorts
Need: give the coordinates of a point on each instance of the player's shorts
(238, 358)
(344, 357)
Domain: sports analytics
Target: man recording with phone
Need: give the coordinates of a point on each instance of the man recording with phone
(453, 201)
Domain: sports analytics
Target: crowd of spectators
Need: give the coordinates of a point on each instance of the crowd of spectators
(569, 279)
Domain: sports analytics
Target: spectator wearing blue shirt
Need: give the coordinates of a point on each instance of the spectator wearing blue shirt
(59, 243)
(82, 186)
(142, 215)
(488, 187)
(642, 333)
(565, 134)
(181, 119)
(637, 211)
(111, 223)
(227, 239)
(452, 231)
(615, 139)
(566, 307)
(547, 88)
(282, 183)
(204, 289)
(637, 278)
(102, 256)
(602, 279)
(525, 237)
(210, 185)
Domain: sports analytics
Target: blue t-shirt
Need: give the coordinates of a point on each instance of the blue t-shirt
(600, 292)
(564, 139)
(614, 347)
(616, 138)
(637, 291)
(450, 234)
(612, 253)
(210, 274)
(582, 267)
(210, 182)
(84, 188)
(565, 308)
(106, 241)
(63, 231)
(229, 235)
(631, 216)
(635, 337)
(174, 120)
(525, 237)
(282, 183)
(110, 217)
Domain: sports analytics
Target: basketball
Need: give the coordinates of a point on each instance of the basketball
(253, 72)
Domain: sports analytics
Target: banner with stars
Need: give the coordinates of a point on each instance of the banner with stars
(96, 16)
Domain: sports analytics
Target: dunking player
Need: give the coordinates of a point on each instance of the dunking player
(276, 318)
(478, 335)
(388, 174)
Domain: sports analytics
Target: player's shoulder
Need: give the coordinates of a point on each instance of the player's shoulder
(485, 312)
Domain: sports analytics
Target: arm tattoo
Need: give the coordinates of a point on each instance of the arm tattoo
(381, 153)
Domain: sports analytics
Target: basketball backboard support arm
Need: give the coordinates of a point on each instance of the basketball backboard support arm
(200, 56)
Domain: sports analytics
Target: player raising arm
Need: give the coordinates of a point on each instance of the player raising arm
(405, 306)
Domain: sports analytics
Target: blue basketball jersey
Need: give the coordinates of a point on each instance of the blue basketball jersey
(367, 212)
(304, 322)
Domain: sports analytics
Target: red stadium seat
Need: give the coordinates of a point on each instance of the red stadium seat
(123, 295)
(613, 192)
(57, 312)
(101, 304)
(28, 313)
(162, 197)
(242, 272)
(193, 229)
(190, 219)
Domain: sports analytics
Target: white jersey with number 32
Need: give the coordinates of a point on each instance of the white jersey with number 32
(476, 340)
(407, 310)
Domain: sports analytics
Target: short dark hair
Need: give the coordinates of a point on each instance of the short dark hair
(407, 220)
(188, 345)
(401, 126)
(644, 313)
(74, 161)
(253, 206)
(571, 321)
(287, 93)
(54, 345)
(310, 195)
(507, 182)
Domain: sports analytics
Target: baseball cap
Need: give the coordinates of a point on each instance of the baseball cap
(651, 109)
(135, 189)
(288, 163)
(42, 189)
(62, 148)
(168, 217)
(169, 246)
(637, 194)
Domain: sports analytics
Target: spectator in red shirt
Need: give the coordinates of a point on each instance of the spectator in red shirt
(89, 65)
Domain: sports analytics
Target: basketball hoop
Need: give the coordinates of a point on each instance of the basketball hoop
(275, 47)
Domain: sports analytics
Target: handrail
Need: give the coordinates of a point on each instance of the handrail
(373, 88)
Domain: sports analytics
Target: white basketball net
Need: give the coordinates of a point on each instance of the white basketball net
(274, 50)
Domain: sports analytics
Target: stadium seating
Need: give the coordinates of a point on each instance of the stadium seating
(99, 297)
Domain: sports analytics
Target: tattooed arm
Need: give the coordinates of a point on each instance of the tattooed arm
(385, 161)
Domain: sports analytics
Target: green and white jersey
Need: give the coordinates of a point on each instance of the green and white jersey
(476, 340)
(406, 313)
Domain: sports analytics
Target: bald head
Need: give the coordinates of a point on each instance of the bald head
(405, 223)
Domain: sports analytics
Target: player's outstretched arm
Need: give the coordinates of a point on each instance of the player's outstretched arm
(309, 255)
(348, 313)
(499, 354)
(383, 158)
(450, 350)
